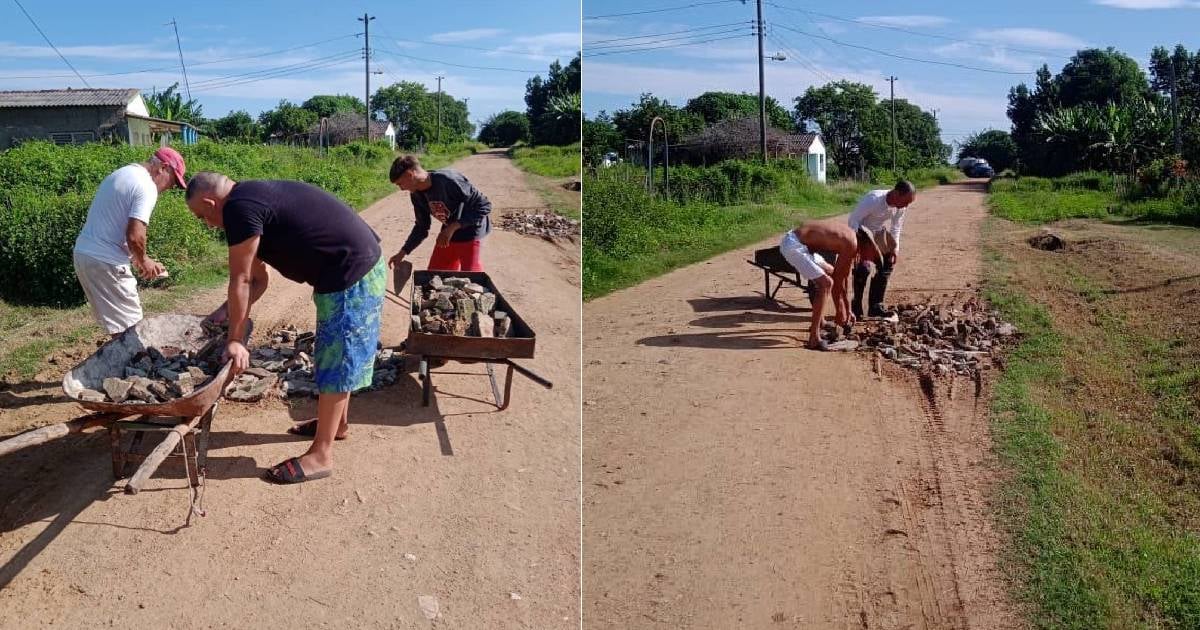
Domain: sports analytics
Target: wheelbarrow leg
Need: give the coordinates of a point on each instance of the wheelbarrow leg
(767, 285)
(508, 379)
(118, 455)
(202, 441)
(190, 460)
(427, 381)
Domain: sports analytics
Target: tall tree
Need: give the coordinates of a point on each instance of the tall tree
(548, 104)
(600, 136)
(326, 105)
(1100, 77)
(634, 123)
(236, 126)
(286, 120)
(169, 105)
(504, 129)
(413, 109)
(993, 145)
(717, 106)
(844, 113)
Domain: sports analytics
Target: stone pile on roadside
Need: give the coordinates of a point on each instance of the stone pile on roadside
(940, 339)
(157, 375)
(545, 224)
(458, 306)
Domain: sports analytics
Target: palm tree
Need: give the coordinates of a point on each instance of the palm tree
(169, 105)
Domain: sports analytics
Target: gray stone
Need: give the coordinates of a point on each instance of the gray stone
(484, 325)
(117, 389)
(457, 283)
(140, 392)
(474, 288)
(198, 375)
(443, 303)
(91, 395)
(485, 301)
(159, 390)
(259, 372)
(252, 391)
(416, 322)
(463, 308)
(436, 282)
(503, 323)
(299, 387)
(183, 386)
(169, 375)
(385, 354)
(145, 364)
(132, 371)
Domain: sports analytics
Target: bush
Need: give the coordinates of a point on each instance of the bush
(46, 191)
(548, 161)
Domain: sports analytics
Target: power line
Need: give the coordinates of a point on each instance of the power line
(861, 22)
(298, 64)
(457, 65)
(282, 71)
(703, 41)
(608, 47)
(662, 10)
(466, 47)
(194, 64)
(906, 58)
(60, 55)
(800, 58)
(686, 30)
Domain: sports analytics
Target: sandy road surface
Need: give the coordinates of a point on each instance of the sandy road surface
(732, 479)
(456, 501)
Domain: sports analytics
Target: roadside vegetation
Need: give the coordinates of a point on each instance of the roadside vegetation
(547, 161)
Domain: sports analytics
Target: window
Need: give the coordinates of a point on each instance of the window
(72, 137)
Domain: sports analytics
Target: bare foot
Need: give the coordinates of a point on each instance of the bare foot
(817, 345)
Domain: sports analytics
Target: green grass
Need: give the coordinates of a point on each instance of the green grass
(1101, 537)
(548, 161)
(1087, 195)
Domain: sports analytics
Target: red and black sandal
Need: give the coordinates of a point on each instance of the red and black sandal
(289, 471)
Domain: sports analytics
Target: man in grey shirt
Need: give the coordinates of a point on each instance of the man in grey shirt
(446, 195)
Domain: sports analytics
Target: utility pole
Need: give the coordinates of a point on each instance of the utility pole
(439, 127)
(1175, 111)
(186, 86)
(366, 20)
(762, 90)
(892, 80)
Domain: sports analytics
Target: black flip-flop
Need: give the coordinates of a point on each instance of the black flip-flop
(308, 428)
(289, 471)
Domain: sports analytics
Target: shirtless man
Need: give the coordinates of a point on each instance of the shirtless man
(800, 246)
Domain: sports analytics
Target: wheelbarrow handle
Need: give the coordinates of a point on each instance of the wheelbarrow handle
(529, 374)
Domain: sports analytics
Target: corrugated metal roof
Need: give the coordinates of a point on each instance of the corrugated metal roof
(805, 140)
(67, 98)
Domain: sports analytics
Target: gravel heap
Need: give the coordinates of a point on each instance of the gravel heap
(458, 306)
(158, 375)
(546, 224)
(936, 338)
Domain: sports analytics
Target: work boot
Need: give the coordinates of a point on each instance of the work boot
(878, 289)
(861, 272)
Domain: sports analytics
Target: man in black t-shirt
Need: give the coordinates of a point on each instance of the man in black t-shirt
(445, 195)
(310, 237)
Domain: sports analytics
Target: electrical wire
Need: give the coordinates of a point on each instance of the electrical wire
(349, 54)
(800, 58)
(43, 34)
(608, 47)
(277, 73)
(904, 57)
(696, 43)
(662, 10)
(688, 30)
(456, 65)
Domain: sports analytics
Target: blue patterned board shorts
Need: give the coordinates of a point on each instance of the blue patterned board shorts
(348, 333)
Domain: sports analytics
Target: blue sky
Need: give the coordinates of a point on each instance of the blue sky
(1014, 36)
(224, 39)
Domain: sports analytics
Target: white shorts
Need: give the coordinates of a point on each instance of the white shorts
(797, 254)
(111, 291)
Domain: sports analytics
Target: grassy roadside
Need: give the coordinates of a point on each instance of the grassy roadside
(32, 333)
(548, 161)
(631, 236)
(1096, 414)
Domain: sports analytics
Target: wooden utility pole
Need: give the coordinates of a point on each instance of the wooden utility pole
(186, 86)
(1175, 111)
(762, 93)
(439, 128)
(366, 20)
(892, 80)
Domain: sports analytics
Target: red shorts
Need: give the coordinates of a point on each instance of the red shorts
(458, 256)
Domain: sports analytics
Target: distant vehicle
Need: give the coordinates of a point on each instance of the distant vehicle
(966, 163)
(610, 159)
(981, 169)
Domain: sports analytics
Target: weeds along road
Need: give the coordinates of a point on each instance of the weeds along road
(476, 508)
(732, 479)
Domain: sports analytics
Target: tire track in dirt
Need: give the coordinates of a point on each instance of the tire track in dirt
(477, 508)
(732, 479)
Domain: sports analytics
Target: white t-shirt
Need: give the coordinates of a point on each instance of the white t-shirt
(873, 212)
(127, 193)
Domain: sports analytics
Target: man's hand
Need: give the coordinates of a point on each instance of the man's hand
(219, 316)
(397, 259)
(443, 237)
(148, 268)
(236, 352)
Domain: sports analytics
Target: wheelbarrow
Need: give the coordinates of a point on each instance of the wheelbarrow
(185, 420)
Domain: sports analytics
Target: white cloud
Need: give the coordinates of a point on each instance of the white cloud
(911, 21)
(470, 35)
(1037, 37)
(1142, 5)
(549, 46)
(118, 52)
(996, 56)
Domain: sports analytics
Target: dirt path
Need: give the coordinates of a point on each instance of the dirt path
(477, 508)
(732, 479)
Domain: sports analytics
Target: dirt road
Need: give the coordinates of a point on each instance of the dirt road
(732, 479)
(475, 508)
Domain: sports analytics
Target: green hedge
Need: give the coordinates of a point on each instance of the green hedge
(45, 191)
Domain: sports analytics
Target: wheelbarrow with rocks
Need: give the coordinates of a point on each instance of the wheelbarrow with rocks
(462, 316)
(163, 375)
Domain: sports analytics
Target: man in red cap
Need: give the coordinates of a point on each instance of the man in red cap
(114, 236)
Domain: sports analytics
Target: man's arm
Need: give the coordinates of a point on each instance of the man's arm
(897, 227)
(260, 277)
(135, 236)
(420, 228)
(242, 259)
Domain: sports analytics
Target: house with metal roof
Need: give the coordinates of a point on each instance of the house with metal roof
(87, 115)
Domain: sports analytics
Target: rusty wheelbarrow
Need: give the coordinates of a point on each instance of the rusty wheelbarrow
(185, 420)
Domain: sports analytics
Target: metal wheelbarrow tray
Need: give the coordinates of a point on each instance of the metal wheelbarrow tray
(519, 344)
(187, 419)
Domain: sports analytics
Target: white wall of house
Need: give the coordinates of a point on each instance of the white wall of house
(137, 107)
(816, 160)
